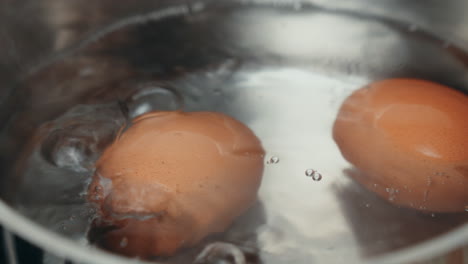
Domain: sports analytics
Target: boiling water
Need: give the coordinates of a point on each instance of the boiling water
(281, 70)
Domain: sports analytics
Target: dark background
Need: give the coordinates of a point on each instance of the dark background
(25, 252)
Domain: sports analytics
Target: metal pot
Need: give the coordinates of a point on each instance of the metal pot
(281, 67)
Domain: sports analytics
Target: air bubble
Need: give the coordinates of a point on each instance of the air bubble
(391, 193)
(273, 160)
(67, 151)
(316, 176)
(220, 252)
(123, 242)
(152, 97)
(76, 139)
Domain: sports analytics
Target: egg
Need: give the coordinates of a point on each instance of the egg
(409, 140)
(173, 178)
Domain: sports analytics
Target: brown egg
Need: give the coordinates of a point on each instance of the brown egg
(172, 179)
(409, 139)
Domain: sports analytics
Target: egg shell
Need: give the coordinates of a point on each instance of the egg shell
(409, 139)
(174, 178)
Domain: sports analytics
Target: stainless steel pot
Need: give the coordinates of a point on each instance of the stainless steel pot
(281, 67)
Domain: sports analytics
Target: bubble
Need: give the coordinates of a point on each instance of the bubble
(273, 160)
(316, 176)
(67, 151)
(466, 208)
(75, 140)
(123, 242)
(391, 193)
(367, 205)
(152, 97)
(220, 252)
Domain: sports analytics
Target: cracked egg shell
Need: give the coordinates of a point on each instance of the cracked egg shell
(172, 179)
